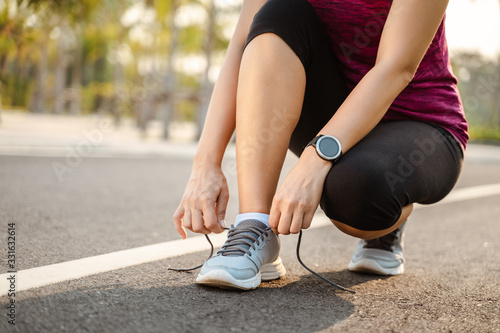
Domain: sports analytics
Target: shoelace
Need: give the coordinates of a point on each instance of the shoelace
(238, 238)
(236, 248)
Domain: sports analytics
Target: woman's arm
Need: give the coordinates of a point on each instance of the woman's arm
(410, 27)
(205, 198)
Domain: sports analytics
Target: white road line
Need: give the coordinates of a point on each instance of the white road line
(45, 275)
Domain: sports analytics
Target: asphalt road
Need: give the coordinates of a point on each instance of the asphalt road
(451, 284)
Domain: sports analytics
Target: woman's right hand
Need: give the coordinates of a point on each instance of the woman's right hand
(203, 205)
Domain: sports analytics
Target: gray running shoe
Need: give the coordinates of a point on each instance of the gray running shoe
(249, 256)
(381, 256)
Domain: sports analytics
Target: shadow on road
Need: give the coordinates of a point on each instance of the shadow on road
(304, 305)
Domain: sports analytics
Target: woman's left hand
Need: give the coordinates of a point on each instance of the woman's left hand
(298, 196)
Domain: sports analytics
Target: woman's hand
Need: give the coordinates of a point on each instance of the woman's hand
(298, 196)
(203, 205)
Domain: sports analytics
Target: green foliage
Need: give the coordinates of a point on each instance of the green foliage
(95, 93)
(188, 81)
(186, 110)
(484, 133)
(479, 84)
(86, 41)
(191, 39)
(163, 7)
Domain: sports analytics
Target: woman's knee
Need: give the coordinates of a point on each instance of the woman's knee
(362, 218)
(361, 200)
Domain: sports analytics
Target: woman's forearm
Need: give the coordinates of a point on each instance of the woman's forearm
(221, 116)
(409, 30)
(362, 110)
(366, 105)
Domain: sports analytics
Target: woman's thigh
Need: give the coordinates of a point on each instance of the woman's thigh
(398, 163)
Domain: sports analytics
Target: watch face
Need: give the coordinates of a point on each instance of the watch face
(328, 147)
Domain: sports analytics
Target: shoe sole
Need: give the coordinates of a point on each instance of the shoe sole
(222, 279)
(372, 267)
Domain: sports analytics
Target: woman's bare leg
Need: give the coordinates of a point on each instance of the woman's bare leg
(271, 89)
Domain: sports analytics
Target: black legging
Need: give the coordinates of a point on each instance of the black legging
(396, 164)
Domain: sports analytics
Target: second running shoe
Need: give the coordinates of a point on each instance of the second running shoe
(381, 256)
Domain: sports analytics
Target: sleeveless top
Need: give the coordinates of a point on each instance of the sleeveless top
(354, 28)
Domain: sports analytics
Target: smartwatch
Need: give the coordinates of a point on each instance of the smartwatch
(327, 147)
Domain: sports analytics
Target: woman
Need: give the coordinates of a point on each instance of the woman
(363, 92)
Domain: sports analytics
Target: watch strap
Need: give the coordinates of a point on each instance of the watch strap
(313, 141)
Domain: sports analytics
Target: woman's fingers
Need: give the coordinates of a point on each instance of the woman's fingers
(221, 206)
(284, 223)
(178, 215)
(214, 210)
(308, 217)
(204, 202)
(198, 223)
(290, 216)
(280, 217)
(297, 222)
(290, 223)
(274, 218)
(209, 218)
(186, 220)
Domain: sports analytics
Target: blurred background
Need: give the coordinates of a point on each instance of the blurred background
(149, 65)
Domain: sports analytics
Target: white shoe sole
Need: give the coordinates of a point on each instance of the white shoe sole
(372, 267)
(222, 279)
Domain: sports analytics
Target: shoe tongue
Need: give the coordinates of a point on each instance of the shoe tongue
(253, 223)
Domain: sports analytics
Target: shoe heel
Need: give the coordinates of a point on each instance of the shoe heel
(273, 270)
